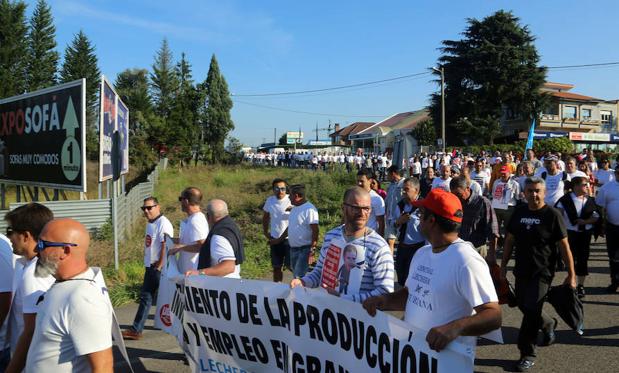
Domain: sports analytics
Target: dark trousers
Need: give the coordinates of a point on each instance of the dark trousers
(530, 294)
(403, 258)
(612, 247)
(580, 244)
(150, 286)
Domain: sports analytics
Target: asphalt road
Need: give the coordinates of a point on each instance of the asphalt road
(596, 351)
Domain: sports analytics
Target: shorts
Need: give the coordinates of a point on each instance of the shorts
(280, 255)
(391, 232)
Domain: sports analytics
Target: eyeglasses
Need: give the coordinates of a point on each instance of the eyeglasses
(145, 208)
(42, 244)
(279, 189)
(363, 209)
(10, 230)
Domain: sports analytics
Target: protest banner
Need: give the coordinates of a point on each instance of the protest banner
(256, 326)
(43, 137)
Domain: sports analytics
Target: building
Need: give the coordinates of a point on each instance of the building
(341, 136)
(568, 112)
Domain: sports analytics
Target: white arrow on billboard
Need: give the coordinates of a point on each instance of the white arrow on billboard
(70, 123)
(70, 155)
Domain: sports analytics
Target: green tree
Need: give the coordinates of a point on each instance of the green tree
(80, 62)
(13, 48)
(42, 56)
(493, 69)
(164, 82)
(283, 140)
(425, 133)
(216, 115)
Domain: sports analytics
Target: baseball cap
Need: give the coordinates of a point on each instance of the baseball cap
(551, 158)
(442, 203)
(498, 160)
(505, 170)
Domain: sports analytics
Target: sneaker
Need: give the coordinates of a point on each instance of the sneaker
(524, 364)
(612, 288)
(131, 335)
(580, 291)
(549, 334)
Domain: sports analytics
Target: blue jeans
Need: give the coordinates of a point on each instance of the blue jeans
(298, 260)
(148, 293)
(5, 358)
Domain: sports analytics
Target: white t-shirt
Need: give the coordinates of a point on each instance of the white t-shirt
(554, 188)
(575, 174)
(608, 198)
(578, 204)
(438, 182)
(155, 235)
(475, 188)
(446, 286)
(300, 219)
(193, 228)
(75, 320)
(416, 166)
(221, 250)
(278, 214)
(378, 209)
(505, 194)
(604, 176)
(482, 178)
(7, 268)
(28, 290)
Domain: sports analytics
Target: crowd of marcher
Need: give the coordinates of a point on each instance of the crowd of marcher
(435, 230)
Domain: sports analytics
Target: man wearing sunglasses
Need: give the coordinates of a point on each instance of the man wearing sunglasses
(193, 229)
(24, 227)
(73, 332)
(154, 255)
(275, 215)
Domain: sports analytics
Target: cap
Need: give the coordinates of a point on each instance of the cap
(551, 158)
(442, 203)
(505, 170)
(498, 160)
(455, 169)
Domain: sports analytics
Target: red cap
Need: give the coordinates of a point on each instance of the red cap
(442, 203)
(505, 170)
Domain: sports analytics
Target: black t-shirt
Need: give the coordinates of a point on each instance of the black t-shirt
(536, 236)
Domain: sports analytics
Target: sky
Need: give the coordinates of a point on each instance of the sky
(286, 46)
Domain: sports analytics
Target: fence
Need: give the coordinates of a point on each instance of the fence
(94, 214)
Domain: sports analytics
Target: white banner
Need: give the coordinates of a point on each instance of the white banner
(257, 326)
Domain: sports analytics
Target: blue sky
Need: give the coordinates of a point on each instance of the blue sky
(280, 46)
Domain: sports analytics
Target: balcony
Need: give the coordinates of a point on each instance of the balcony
(554, 121)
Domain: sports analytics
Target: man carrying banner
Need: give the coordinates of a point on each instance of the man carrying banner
(73, 331)
(276, 211)
(154, 255)
(25, 223)
(193, 229)
(372, 255)
(222, 253)
(449, 290)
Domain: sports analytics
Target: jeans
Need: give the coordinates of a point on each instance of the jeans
(530, 294)
(5, 358)
(612, 247)
(298, 260)
(403, 258)
(147, 294)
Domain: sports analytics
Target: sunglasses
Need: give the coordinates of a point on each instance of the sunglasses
(42, 244)
(10, 230)
(279, 189)
(145, 208)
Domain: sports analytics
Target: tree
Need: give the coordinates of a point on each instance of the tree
(13, 48)
(234, 145)
(492, 70)
(425, 133)
(164, 82)
(42, 56)
(81, 62)
(283, 140)
(216, 116)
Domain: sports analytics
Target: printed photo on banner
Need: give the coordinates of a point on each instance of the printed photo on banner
(343, 267)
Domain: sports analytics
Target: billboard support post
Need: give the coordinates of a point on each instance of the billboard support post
(115, 226)
(2, 196)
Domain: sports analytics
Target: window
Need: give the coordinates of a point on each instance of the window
(569, 112)
(606, 116)
(585, 114)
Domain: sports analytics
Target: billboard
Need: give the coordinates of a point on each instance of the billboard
(113, 133)
(43, 137)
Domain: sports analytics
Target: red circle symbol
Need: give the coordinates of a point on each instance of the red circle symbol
(148, 240)
(164, 315)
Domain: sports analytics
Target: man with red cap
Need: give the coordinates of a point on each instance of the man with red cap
(449, 290)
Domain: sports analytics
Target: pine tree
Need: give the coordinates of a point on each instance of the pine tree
(42, 56)
(13, 50)
(216, 115)
(164, 82)
(80, 61)
(493, 68)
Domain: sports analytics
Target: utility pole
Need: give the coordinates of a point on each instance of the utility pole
(275, 136)
(442, 72)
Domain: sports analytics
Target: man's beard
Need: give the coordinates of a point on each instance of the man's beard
(45, 267)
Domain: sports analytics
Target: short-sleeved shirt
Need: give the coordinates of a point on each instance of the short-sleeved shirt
(536, 236)
(7, 268)
(221, 250)
(75, 320)
(278, 214)
(300, 219)
(608, 198)
(604, 176)
(192, 229)
(447, 286)
(155, 235)
(378, 209)
(439, 182)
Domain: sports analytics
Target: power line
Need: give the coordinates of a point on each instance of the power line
(584, 65)
(331, 88)
(309, 112)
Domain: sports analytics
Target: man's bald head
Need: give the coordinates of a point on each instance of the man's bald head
(64, 255)
(217, 209)
(354, 192)
(67, 230)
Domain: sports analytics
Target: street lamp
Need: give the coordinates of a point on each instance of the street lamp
(442, 72)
